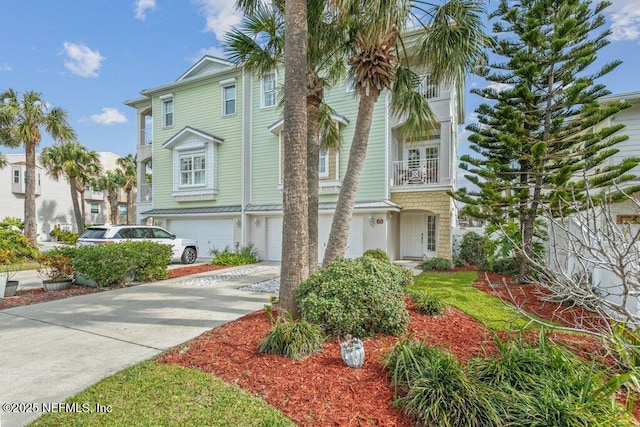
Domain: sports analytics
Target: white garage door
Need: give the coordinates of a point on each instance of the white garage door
(209, 233)
(354, 242)
(274, 239)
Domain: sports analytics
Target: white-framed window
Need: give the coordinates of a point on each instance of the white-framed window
(269, 90)
(122, 210)
(192, 169)
(323, 164)
(16, 176)
(95, 208)
(431, 233)
(167, 111)
(229, 100)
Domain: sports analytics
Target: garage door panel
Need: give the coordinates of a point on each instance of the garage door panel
(209, 234)
(354, 242)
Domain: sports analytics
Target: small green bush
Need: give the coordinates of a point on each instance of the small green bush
(436, 264)
(246, 255)
(294, 339)
(507, 266)
(428, 304)
(359, 297)
(111, 264)
(18, 245)
(471, 249)
(378, 254)
(64, 236)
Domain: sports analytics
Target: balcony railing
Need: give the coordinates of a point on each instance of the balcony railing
(145, 195)
(429, 88)
(414, 172)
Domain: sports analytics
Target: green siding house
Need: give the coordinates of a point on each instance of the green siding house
(210, 165)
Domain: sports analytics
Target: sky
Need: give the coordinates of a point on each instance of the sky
(90, 56)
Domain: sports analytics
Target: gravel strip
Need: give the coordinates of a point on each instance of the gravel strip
(271, 286)
(212, 279)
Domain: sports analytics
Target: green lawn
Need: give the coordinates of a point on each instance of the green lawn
(148, 394)
(456, 289)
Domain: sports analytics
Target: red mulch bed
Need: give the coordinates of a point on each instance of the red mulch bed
(321, 390)
(35, 296)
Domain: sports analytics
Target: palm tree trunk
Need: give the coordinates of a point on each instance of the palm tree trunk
(76, 207)
(83, 209)
(313, 153)
(128, 206)
(295, 239)
(347, 199)
(30, 220)
(113, 205)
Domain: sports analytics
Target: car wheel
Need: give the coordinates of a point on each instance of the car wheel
(189, 256)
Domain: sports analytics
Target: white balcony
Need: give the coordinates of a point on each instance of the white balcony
(407, 173)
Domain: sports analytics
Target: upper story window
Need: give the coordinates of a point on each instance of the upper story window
(16, 176)
(269, 94)
(167, 110)
(323, 165)
(192, 169)
(229, 100)
(95, 208)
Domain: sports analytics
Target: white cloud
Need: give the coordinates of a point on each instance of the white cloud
(221, 15)
(5, 67)
(109, 116)
(625, 20)
(82, 61)
(142, 6)
(499, 87)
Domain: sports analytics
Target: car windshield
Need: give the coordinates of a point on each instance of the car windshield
(94, 233)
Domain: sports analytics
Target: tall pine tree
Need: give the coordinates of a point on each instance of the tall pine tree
(542, 130)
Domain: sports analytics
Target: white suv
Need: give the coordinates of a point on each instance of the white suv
(184, 250)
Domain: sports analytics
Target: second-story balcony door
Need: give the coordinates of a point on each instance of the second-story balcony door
(422, 165)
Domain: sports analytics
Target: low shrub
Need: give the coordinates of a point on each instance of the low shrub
(294, 339)
(436, 264)
(359, 297)
(378, 254)
(508, 266)
(428, 304)
(12, 222)
(17, 245)
(436, 390)
(64, 235)
(246, 255)
(115, 263)
(471, 249)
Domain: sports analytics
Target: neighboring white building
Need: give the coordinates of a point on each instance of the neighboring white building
(53, 198)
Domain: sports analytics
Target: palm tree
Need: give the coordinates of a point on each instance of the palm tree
(85, 178)
(73, 161)
(451, 44)
(21, 123)
(111, 182)
(130, 175)
(3, 161)
(258, 43)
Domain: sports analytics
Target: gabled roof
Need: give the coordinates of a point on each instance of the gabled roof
(276, 127)
(189, 131)
(207, 65)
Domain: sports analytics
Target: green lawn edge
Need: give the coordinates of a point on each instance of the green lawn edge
(152, 394)
(457, 290)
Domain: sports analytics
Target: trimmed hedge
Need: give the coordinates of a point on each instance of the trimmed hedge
(112, 263)
(359, 297)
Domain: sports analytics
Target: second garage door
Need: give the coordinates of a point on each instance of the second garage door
(209, 233)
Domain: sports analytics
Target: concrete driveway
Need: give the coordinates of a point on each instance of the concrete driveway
(53, 350)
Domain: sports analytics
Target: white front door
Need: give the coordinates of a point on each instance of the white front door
(418, 235)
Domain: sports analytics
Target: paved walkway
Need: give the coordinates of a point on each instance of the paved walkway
(53, 350)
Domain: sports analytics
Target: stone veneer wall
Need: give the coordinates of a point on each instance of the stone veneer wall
(437, 202)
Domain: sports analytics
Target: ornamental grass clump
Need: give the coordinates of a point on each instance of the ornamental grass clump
(293, 339)
(358, 297)
(428, 303)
